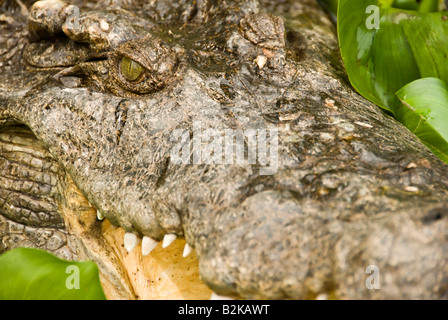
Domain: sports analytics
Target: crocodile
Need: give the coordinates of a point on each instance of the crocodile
(198, 146)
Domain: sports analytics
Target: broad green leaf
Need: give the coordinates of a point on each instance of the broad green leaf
(421, 6)
(428, 6)
(406, 4)
(424, 111)
(380, 58)
(428, 38)
(31, 274)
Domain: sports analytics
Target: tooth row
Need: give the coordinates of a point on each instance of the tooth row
(131, 240)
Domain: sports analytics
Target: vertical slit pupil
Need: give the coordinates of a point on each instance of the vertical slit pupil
(130, 69)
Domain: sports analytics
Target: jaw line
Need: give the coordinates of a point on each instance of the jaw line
(162, 274)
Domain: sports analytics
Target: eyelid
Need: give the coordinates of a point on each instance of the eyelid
(160, 63)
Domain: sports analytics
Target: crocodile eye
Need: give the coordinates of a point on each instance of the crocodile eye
(130, 69)
(142, 66)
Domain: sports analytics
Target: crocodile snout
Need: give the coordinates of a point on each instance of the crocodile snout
(274, 246)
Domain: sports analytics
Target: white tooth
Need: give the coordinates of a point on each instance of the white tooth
(168, 239)
(99, 215)
(322, 296)
(130, 241)
(216, 296)
(187, 250)
(148, 245)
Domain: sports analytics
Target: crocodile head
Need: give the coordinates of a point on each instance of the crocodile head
(220, 124)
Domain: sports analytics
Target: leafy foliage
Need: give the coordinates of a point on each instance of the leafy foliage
(386, 46)
(424, 112)
(31, 274)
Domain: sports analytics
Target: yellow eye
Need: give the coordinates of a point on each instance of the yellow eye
(130, 69)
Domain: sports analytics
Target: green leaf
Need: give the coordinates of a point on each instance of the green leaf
(31, 274)
(429, 6)
(424, 111)
(406, 4)
(428, 39)
(424, 6)
(382, 58)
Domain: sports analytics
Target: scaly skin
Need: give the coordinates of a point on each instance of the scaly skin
(353, 187)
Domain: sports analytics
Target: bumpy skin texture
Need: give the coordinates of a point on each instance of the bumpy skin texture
(353, 188)
(29, 189)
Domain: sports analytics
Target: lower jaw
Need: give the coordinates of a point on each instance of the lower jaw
(163, 274)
